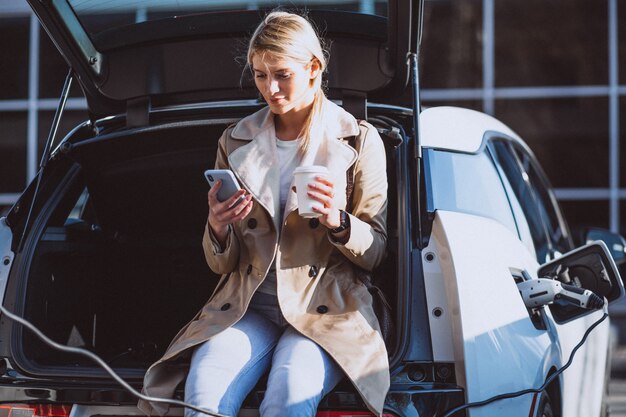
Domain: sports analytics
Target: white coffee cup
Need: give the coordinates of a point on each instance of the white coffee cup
(304, 175)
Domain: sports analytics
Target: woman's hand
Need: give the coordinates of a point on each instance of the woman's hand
(323, 190)
(221, 214)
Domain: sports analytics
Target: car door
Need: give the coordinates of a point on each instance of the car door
(582, 383)
(476, 247)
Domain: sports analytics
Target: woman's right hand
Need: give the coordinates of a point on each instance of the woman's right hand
(221, 214)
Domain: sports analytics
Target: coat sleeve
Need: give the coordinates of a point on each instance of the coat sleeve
(366, 245)
(221, 260)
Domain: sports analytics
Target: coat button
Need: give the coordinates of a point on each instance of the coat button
(227, 306)
(313, 223)
(322, 309)
(252, 223)
(249, 270)
(313, 271)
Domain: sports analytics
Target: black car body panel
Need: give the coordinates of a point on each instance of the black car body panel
(190, 58)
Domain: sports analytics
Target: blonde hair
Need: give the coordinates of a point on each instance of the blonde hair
(290, 36)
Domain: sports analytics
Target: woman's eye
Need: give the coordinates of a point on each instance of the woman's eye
(283, 75)
(260, 76)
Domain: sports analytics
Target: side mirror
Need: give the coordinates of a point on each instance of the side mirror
(614, 242)
(590, 267)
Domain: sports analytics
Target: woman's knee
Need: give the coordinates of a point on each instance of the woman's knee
(301, 374)
(224, 369)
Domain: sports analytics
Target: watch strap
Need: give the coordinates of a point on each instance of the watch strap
(344, 222)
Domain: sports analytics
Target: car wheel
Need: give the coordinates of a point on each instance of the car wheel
(545, 406)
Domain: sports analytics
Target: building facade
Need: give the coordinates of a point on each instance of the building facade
(550, 69)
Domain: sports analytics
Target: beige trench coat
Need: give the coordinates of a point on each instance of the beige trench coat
(316, 285)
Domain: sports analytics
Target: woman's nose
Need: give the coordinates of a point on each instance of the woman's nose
(273, 87)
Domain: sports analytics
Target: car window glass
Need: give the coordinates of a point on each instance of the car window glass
(468, 184)
(77, 211)
(523, 227)
(81, 212)
(520, 184)
(544, 202)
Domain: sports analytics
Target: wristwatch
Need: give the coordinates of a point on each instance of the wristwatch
(344, 222)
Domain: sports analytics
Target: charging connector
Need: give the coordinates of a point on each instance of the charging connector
(543, 291)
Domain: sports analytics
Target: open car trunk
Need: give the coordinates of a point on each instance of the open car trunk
(118, 267)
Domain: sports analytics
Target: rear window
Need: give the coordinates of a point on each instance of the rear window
(99, 15)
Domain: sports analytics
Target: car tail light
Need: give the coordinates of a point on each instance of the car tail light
(34, 410)
(348, 414)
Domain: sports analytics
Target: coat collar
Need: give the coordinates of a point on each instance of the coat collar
(340, 124)
(256, 163)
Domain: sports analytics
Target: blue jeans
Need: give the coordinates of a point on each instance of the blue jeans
(226, 368)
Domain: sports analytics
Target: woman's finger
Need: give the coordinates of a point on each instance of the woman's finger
(322, 198)
(225, 212)
(325, 211)
(325, 181)
(323, 188)
(246, 210)
(234, 199)
(213, 191)
(240, 206)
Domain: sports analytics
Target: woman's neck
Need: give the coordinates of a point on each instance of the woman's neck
(289, 125)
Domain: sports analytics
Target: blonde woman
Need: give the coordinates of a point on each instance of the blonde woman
(288, 301)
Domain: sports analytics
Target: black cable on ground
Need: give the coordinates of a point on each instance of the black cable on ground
(103, 364)
(530, 391)
(125, 385)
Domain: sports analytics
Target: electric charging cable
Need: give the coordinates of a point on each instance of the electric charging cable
(116, 377)
(103, 364)
(545, 384)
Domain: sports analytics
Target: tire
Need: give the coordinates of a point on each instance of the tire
(544, 409)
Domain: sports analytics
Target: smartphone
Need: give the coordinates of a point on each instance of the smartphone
(230, 185)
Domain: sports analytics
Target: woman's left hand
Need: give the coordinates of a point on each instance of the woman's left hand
(323, 190)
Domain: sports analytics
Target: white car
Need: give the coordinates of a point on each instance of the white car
(103, 250)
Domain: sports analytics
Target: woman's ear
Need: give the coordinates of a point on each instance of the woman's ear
(314, 68)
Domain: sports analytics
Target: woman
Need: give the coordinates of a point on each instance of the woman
(288, 300)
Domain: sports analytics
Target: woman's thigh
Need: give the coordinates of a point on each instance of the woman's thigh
(301, 374)
(225, 369)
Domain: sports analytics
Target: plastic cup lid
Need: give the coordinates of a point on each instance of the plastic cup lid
(310, 168)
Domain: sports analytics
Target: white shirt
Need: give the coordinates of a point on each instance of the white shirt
(288, 160)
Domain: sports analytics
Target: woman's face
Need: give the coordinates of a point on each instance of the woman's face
(285, 85)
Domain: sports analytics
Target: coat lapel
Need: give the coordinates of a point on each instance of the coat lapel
(256, 163)
(334, 154)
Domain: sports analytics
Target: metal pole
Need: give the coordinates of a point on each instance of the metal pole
(46, 152)
(33, 94)
(614, 157)
(488, 57)
(415, 86)
(56, 121)
(413, 62)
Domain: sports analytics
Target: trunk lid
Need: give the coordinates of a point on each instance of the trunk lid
(131, 56)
